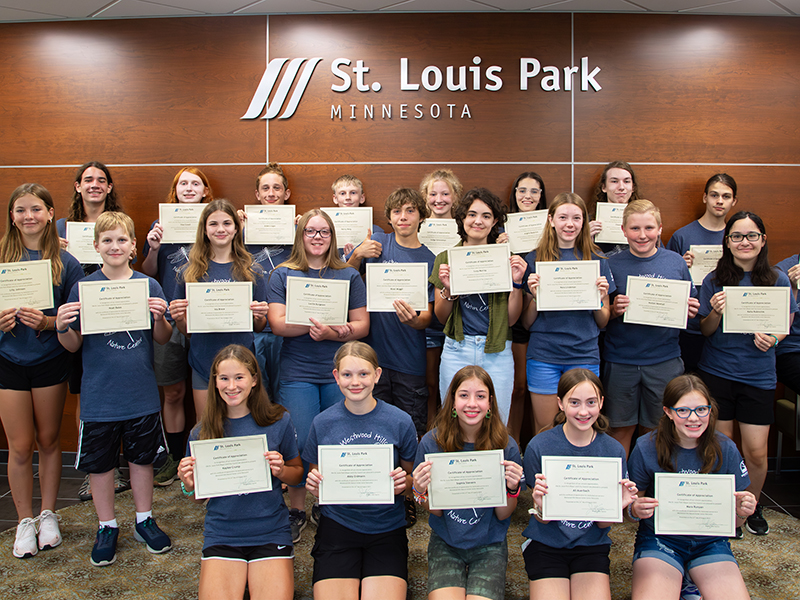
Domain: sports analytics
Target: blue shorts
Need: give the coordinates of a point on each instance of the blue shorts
(682, 552)
(543, 377)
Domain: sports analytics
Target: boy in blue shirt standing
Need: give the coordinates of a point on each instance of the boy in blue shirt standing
(119, 395)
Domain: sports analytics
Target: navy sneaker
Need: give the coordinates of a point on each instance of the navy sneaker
(104, 551)
(756, 523)
(148, 532)
(316, 514)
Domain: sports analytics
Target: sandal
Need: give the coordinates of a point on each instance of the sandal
(411, 511)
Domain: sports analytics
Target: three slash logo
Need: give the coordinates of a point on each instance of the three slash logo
(260, 99)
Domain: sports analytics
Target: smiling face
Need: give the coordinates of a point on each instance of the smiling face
(93, 186)
(317, 246)
(528, 194)
(190, 189)
(30, 215)
(478, 223)
(719, 200)
(271, 190)
(115, 246)
(356, 377)
(745, 252)
(234, 384)
(581, 406)
(348, 195)
(440, 199)
(567, 221)
(405, 220)
(691, 428)
(642, 231)
(471, 403)
(220, 229)
(618, 186)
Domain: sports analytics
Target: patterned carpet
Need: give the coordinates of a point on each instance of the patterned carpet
(770, 564)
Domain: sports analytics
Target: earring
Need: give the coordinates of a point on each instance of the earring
(454, 414)
(488, 414)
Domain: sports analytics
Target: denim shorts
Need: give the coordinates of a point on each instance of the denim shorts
(543, 377)
(680, 551)
(480, 571)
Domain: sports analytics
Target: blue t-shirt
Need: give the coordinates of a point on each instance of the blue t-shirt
(89, 268)
(23, 345)
(268, 258)
(470, 527)
(791, 343)
(564, 337)
(643, 466)
(204, 346)
(171, 259)
(118, 381)
(734, 356)
(303, 359)
(399, 347)
(563, 533)
(384, 424)
(259, 518)
(694, 234)
(633, 344)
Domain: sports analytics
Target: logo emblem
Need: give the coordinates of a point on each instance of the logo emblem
(267, 84)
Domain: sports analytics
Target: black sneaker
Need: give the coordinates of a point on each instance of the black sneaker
(316, 513)
(756, 523)
(104, 551)
(739, 534)
(297, 521)
(148, 532)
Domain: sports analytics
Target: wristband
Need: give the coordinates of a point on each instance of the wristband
(536, 511)
(419, 497)
(185, 493)
(517, 286)
(60, 330)
(514, 494)
(448, 298)
(630, 513)
(774, 338)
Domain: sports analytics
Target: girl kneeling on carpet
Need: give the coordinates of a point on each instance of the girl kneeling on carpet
(685, 442)
(569, 559)
(361, 546)
(247, 539)
(468, 551)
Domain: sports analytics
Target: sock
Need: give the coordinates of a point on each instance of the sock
(111, 523)
(176, 445)
(143, 516)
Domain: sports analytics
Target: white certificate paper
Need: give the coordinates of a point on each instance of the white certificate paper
(658, 302)
(219, 307)
(610, 215)
(582, 489)
(326, 300)
(439, 234)
(80, 243)
(568, 285)
(467, 480)
(387, 282)
(351, 224)
(356, 474)
(269, 224)
(525, 230)
(695, 504)
(230, 466)
(114, 305)
(756, 309)
(481, 269)
(28, 283)
(179, 222)
(705, 261)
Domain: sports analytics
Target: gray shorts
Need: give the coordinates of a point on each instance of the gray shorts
(172, 359)
(634, 393)
(480, 571)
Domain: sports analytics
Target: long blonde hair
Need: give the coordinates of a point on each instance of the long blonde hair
(548, 249)
(298, 259)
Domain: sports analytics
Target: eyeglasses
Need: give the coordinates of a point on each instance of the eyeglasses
(700, 411)
(752, 236)
(532, 191)
(312, 233)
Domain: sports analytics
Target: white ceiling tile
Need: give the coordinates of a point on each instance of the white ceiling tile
(745, 7)
(12, 15)
(593, 6)
(439, 6)
(289, 6)
(792, 5)
(74, 9)
(213, 7)
(138, 8)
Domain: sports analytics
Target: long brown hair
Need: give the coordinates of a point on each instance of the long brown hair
(708, 448)
(200, 254)
(567, 383)
(298, 259)
(548, 249)
(600, 195)
(493, 434)
(729, 273)
(77, 212)
(172, 198)
(212, 423)
(11, 246)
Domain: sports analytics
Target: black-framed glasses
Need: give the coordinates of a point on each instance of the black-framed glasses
(312, 233)
(532, 191)
(752, 236)
(684, 412)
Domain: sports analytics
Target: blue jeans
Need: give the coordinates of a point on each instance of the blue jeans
(268, 355)
(499, 365)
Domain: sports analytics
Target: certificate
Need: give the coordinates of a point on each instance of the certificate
(582, 489)
(568, 285)
(114, 305)
(80, 243)
(525, 230)
(695, 504)
(230, 466)
(351, 224)
(658, 302)
(387, 282)
(219, 307)
(480, 269)
(28, 283)
(705, 261)
(356, 474)
(267, 225)
(467, 480)
(439, 234)
(326, 300)
(179, 222)
(610, 215)
(756, 309)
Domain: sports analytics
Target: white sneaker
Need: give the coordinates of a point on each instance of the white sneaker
(49, 533)
(25, 545)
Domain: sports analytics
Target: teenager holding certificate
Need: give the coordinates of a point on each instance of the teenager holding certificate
(640, 359)
(247, 540)
(477, 326)
(34, 369)
(163, 262)
(218, 255)
(563, 339)
(468, 550)
(617, 185)
(570, 558)
(307, 384)
(361, 551)
(685, 442)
